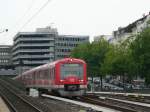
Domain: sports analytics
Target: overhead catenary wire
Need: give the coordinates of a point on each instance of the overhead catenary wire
(34, 15)
(25, 14)
(13, 29)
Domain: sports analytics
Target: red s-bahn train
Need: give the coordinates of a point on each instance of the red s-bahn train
(66, 77)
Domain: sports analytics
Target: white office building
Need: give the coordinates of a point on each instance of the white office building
(31, 49)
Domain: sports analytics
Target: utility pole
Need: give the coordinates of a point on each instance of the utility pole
(21, 66)
(5, 30)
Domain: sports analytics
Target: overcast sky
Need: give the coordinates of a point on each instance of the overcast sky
(75, 17)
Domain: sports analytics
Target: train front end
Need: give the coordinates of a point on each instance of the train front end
(71, 77)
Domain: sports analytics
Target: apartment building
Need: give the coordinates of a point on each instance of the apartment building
(131, 30)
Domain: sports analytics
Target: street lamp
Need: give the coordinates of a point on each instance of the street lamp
(5, 30)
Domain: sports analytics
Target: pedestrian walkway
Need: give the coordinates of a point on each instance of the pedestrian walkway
(3, 106)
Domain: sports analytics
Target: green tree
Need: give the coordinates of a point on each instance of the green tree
(119, 62)
(141, 53)
(94, 55)
(82, 52)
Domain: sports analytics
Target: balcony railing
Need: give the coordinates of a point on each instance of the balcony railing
(33, 56)
(33, 45)
(31, 50)
(33, 62)
(34, 39)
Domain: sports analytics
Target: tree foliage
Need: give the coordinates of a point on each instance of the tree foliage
(141, 53)
(130, 58)
(93, 54)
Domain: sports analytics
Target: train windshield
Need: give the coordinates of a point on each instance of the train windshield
(71, 70)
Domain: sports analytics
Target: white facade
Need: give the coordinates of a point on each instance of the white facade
(131, 30)
(31, 49)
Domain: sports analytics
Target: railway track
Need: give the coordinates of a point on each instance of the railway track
(114, 104)
(18, 102)
(104, 104)
(141, 99)
(87, 107)
(135, 98)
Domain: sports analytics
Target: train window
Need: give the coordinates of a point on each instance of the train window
(30, 76)
(33, 75)
(52, 73)
(41, 75)
(37, 75)
(26, 76)
(46, 74)
(71, 65)
(72, 69)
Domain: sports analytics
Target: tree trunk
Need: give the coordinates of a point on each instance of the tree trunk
(123, 81)
(92, 85)
(101, 81)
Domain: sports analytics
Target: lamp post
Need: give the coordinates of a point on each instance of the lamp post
(5, 30)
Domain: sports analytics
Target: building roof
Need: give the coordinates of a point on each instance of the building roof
(129, 27)
(5, 46)
(74, 36)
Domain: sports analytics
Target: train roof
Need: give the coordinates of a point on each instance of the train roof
(68, 59)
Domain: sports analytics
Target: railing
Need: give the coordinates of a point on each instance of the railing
(33, 45)
(33, 39)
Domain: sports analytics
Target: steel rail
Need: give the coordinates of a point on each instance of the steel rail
(101, 103)
(8, 103)
(20, 97)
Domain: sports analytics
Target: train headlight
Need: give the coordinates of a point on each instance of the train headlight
(81, 81)
(61, 80)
